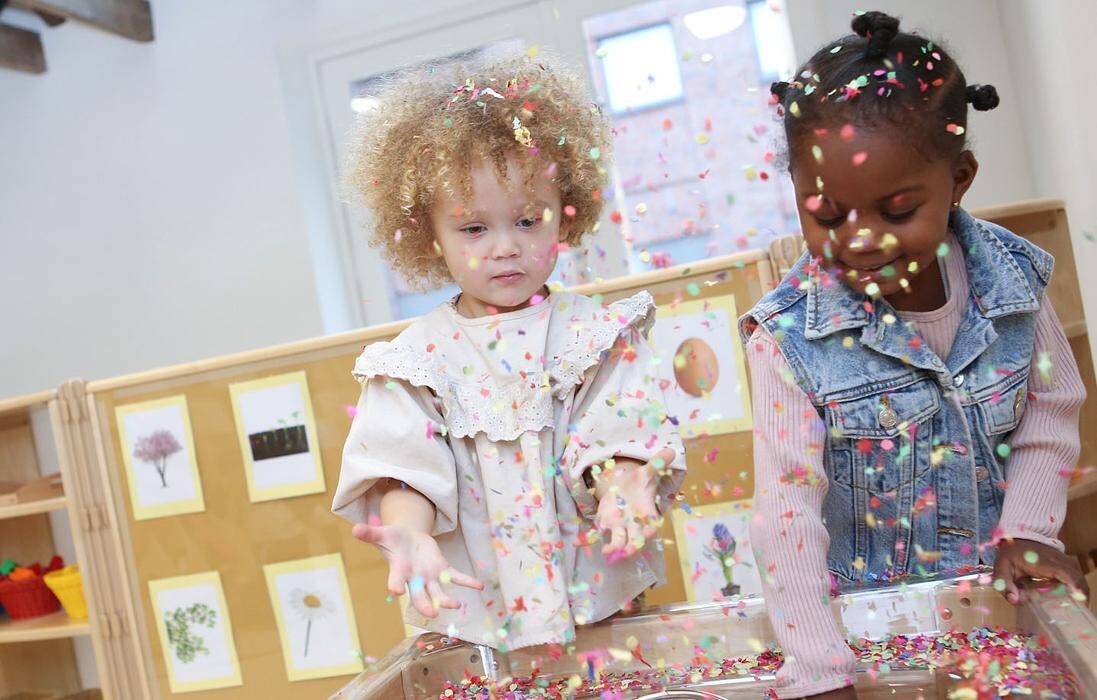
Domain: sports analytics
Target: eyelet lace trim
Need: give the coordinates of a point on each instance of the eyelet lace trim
(597, 336)
(503, 413)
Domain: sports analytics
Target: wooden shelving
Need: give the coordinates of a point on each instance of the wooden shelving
(38, 496)
(55, 626)
(44, 505)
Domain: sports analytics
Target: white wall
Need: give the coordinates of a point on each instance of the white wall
(150, 208)
(1051, 54)
(972, 32)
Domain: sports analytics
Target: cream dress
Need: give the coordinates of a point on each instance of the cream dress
(496, 420)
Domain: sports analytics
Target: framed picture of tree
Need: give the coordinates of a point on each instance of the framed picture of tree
(277, 432)
(195, 632)
(158, 450)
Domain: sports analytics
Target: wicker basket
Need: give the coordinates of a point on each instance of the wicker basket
(29, 598)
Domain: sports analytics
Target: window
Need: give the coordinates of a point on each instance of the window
(640, 69)
(686, 86)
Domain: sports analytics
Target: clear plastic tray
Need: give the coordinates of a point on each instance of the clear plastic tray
(419, 667)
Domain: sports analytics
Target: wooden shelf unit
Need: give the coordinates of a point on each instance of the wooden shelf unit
(44, 505)
(55, 626)
(36, 654)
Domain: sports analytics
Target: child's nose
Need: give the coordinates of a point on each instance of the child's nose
(866, 240)
(505, 246)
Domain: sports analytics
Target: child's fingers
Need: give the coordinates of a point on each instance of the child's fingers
(420, 600)
(1055, 566)
(460, 579)
(1004, 572)
(439, 597)
(398, 578)
(617, 540)
(636, 537)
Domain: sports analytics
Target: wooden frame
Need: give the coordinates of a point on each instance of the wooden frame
(38, 653)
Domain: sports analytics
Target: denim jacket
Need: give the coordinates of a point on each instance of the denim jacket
(912, 447)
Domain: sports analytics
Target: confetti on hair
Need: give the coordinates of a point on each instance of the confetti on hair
(521, 134)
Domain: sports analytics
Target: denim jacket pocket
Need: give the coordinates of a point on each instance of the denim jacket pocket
(1003, 406)
(884, 434)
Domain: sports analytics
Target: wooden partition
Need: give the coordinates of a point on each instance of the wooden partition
(237, 537)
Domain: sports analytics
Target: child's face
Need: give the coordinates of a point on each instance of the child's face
(501, 245)
(874, 209)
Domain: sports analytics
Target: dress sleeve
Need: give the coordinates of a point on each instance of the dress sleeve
(619, 411)
(787, 532)
(1045, 446)
(397, 433)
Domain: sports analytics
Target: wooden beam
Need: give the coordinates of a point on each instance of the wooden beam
(50, 19)
(129, 18)
(21, 49)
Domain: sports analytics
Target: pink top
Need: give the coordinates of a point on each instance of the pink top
(788, 532)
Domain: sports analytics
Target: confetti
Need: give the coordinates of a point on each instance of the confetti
(984, 662)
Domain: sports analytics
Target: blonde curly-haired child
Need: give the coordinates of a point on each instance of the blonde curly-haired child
(510, 454)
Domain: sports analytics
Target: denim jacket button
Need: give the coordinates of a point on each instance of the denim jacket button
(888, 418)
(1019, 402)
(958, 380)
(981, 473)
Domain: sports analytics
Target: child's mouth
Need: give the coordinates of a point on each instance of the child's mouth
(509, 277)
(869, 272)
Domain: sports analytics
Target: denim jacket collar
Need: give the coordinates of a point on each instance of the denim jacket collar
(998, 286)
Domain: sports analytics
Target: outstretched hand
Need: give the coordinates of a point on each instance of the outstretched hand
(1021, 559)
(416, 562)
(626, 504)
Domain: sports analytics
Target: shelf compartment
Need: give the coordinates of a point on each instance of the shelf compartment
(57, 625)
(40, 496)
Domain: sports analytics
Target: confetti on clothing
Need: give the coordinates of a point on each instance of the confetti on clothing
(497, 420)
(982, 664)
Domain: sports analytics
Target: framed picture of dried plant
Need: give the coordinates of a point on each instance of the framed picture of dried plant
(195, 632)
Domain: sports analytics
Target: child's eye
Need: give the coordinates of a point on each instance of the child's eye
(527, 222)
(833, 222)
(899, 216)
(474, 229)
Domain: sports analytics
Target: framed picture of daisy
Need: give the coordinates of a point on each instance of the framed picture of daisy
(701, 368)
(714, 551)
(195, 632)
(311, 601)
(278, 439)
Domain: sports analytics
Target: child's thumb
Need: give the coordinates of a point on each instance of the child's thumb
(367, 533)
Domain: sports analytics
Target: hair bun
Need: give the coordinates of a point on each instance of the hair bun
(982, 97)
(879, 28)
(779, 89)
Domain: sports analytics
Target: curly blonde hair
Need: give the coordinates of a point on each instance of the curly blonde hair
(432, 122)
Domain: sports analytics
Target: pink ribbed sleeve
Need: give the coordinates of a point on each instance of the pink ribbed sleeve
(1045, 445)
(789, 539)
